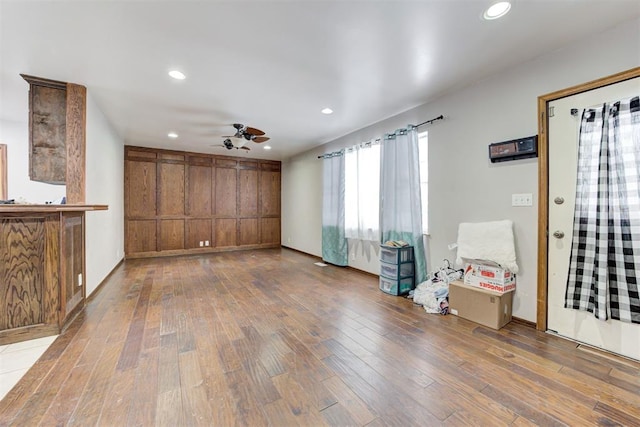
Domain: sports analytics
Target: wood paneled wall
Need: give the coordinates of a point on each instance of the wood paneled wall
(175, 200)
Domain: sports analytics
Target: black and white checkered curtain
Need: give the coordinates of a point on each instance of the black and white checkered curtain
(605, 253)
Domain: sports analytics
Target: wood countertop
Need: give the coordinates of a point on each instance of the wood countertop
(16, 208)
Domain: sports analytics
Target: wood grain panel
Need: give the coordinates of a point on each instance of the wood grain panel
(141, 236)
(200, 187)
(140, 186)
(226, 233)
(52, 271)
(249, 231)
(198, 230)
(171, 191)
(248, 194)
(270, 230)
(270, 192)
(21, 272)
(226, 163)
(4, 194)
(172, 156)
(76, 118)
(171, 234)
(72, 262)
(48, 154)
(145, 154)
(226, 192)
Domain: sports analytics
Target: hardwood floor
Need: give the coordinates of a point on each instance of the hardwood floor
(267, 338)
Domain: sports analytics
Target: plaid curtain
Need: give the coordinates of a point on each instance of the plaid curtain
(605, 253)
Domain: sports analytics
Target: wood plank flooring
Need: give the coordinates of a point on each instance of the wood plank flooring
(267, 338)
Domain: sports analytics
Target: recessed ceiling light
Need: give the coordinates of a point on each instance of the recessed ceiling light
(497, 10)
(177, 75)
(326, 111)
(267, 147)
(172, 135)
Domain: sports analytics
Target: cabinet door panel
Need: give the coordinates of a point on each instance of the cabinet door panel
(22, 272)
(226, 196)
(270, 231)
(226, 232)
(198, 230)
(171, 234)
(141, 188)
(171, 189)
(199, 190)
(141, 236)
(270, 192)
(248, 192)
(249, 231)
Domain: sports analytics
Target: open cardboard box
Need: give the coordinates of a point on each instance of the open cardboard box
(488, 308)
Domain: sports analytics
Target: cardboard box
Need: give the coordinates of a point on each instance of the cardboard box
(488, 275)
(488, 308)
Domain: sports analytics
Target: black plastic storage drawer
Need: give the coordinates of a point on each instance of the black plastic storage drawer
(396, 287)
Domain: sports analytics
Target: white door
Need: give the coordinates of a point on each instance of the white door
(612, 335)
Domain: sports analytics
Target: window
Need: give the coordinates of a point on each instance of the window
(362, 192)
(423, 151)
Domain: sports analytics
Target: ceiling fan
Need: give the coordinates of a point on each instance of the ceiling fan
(244, 134)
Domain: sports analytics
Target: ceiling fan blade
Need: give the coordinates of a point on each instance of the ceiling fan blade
(253, 131)
(243, 148)
(259, 139)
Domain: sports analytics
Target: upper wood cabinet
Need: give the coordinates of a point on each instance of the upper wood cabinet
(57, 134)
(178, 202)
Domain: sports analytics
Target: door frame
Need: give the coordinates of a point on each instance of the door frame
(543, 179)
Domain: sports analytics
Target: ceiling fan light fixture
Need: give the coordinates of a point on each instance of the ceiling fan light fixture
(178, 75)
(326, 111)
(497, 10)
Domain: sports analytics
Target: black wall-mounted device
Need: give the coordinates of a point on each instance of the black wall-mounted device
(515, 149)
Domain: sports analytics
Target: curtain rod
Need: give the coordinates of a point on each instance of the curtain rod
(341, 152)
(428, 122)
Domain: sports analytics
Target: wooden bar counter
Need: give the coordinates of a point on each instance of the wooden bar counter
(42, 268)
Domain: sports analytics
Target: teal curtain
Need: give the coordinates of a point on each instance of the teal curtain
(400, 200)
(334, 242)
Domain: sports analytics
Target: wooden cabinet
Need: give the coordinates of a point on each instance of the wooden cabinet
(42, 273)
(178, 202)
(57, 134)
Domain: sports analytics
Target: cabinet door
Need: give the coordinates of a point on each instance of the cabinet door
(270, 192)
(249, 231)
(141, 236)
(200, 190)
(22, 272)
(270, 231)
(226, 232)
(171, 189)
(72, 261)
(248, 192)
(226, 191)
(171, 234)
(140, 187)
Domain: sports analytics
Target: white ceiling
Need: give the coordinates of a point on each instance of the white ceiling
(274, 64)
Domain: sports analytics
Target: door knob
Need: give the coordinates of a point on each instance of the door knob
(558, 234)
(558, 200)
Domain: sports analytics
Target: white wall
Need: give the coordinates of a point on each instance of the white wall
(464, 185)
(104, 185)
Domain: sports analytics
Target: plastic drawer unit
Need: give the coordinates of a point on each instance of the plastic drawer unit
(396, 269)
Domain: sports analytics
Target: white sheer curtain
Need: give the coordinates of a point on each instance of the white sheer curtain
(334, 243)
(400, 199)
(362, 192)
